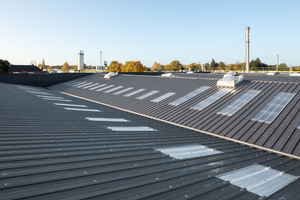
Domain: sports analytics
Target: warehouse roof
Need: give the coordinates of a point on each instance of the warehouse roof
(259, 113)
(56, 146)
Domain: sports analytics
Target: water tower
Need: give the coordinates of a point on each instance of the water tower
(80, 65)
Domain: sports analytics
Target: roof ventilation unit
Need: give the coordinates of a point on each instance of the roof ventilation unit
(110, 74)
(230, 80)
(271, 73)
(295, 74)
(168, 75)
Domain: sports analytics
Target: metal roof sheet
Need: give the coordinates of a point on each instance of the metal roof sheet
(47, 152)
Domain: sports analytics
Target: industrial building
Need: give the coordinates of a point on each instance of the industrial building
(152, 137)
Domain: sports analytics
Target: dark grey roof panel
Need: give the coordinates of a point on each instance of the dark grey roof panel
(275, 136)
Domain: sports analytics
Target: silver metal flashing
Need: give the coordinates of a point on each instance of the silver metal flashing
(97, 119)
(189, 96)
(238, 103)
(259, 179)
(167, 95)
(134, 92)
(148, 94)
(130, 128)
(208, 101)
(273, 108)
(188, 151)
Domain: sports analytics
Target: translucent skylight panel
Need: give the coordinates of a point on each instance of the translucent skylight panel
(98, 86)
(89, 83)
(238, 103)
(259, 179)
(122, 91)
(188, 151)
(111, 90)
(167, 95)
(104, 88)
(26, 88)
(78, 84)
(130, 128)
(208, 101)
(71, 83)
(189, 96)
(148, 94)
(71, 105)
(83, 109)
(96, 119)
(134, 92)
(298, 127)
(274, 107)
(52, 99)
(92, 85)
(37, 92)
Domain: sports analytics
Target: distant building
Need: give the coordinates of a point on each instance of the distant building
(80, 65)
(24, 69)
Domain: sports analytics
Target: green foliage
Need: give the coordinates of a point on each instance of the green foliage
(4, 66)
(134, 66)
(65, 67)
(115, 66)
(175, 65)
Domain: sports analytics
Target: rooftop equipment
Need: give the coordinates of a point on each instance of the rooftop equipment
(230, 80)
(168, 75)
(110, 74)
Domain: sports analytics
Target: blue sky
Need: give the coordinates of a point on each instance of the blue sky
(149, 31)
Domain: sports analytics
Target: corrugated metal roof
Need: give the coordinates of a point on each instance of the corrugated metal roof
(47, 152)
(281, 135)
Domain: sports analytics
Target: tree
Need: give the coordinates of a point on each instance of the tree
(193, 66)
(157, 67)
(134, 66)
(115, 66)
(236, 67)
(175, 65)
(65, 67)
(213, 64)
(221, 66)
(4, 66)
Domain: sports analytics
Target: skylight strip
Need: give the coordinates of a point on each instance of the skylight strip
(238, 103)
(167, 95)
(27, 88)
(148, 94)
(104, 88)
(116, 88)
(78, 84)
(90, 86)
(122, 91)
(72, 105)
(89, 83)
(71, 83)
(134, 92)
(189, 96)
(130, 128)
(208, 101)
(93, 88)
(40, 93)
(107, 119)
(273, 108)
(298, 127)
(83, 109)
(51, 99)
(259, 179)
(188, 151)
